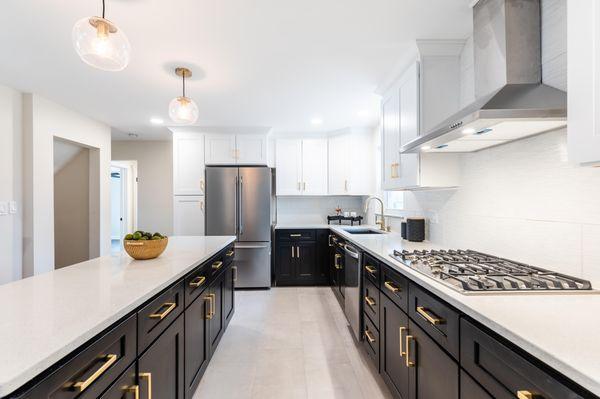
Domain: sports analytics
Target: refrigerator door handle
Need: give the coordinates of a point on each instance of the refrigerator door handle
(237, 204)
(241, 223)
(243, 246)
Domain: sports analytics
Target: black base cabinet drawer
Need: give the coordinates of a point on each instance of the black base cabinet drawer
(503, 372)
(437, 318)
(371, 269)
(155, 317)
(93, 370)
(296, 235)
(395, 287)
(469, 389)
(371, 301)
(161, 368)
(371, 342)
(125, 387)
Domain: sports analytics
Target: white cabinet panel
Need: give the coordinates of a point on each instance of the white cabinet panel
(314, 166)
(390, 140)
(409, 127)
(288, 166)
(251, 149)
(188, 215)
(351, 164)
(188, 164)
(583, 75)
(338, 168)
(220, 149)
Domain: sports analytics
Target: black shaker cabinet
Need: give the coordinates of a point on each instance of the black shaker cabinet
(300, 257)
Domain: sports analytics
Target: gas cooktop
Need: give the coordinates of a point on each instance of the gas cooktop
(470, 271)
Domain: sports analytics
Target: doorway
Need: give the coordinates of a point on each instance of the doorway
(123, 201)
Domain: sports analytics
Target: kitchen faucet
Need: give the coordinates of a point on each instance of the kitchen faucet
(381, 222)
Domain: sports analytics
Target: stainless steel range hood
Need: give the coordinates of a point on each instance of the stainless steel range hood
(512, 103)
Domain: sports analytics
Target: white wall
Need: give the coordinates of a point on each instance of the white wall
(42, 121)
(11, 177)
(155, 186)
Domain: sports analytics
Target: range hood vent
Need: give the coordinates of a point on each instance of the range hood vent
(507, 54)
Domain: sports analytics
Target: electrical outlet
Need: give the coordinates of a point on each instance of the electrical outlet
(3, 208)
(12, 207)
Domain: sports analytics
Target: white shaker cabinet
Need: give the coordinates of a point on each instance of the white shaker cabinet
(583, 75)
(236, 149)
(390, 141)
(220, 149)
(188, 164)
(350, 164)
(301, 166)
(188, 218)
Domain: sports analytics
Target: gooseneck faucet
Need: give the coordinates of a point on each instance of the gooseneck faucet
(381, 222)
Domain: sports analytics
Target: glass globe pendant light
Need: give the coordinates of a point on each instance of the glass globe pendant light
(100, 43)
(183, 110)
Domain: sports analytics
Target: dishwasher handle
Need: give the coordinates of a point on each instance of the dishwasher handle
(351, 251)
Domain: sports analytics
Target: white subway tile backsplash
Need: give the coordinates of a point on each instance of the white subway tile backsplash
(591, 253)
(305, 210)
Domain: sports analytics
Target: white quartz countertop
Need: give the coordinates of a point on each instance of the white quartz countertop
(46, 317)
(562, 330)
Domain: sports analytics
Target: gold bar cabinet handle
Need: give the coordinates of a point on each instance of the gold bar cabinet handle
(109, 361)
(213, 303)
(230, 253)
(298, 252)
(295, 235)
(170, 306)
(432, 319)
(369, 336)
(390, 286)
(217, 265)
(149, 377)
(528, 395)
(369, 301)
(209, 314)
(370, 269)
(409, 363)
(337, 256)
(401, 330)
(197, 282)
(293, 252)
(135, 389)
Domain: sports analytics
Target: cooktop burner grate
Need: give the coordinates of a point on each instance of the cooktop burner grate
(468, 270)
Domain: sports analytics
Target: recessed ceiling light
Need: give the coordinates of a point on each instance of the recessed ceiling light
(468, 130)
(362, 113)
(426, 147)
(316, 121)
(156, 121)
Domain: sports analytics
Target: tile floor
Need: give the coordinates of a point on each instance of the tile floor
(289, 343)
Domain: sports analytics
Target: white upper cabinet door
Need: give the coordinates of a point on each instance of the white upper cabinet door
(360, 173)
(188, 215)
(251, 149)
(409, 126)
(583, 76)
(390, 141)
(338, 169)
(188, 164)
(288, 166)
(220, 149)
(314, 166)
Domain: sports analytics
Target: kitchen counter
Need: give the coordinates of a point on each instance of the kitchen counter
(558, 329)
(46, 317)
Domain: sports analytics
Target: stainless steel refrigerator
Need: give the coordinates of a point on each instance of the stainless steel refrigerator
(238, 203)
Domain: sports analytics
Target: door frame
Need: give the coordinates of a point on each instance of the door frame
(129, 195)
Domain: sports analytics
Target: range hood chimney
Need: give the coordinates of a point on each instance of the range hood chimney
(511, 103)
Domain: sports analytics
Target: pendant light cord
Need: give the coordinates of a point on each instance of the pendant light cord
(183, 76)
(103, 9)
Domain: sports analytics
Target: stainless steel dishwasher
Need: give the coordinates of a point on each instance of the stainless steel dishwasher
(352, 288)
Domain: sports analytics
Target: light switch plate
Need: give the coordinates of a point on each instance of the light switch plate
(3, 208)
(12, 207)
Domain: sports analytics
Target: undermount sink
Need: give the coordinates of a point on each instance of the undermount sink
(363, 231)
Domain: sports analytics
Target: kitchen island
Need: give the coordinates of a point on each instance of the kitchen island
(54, 321)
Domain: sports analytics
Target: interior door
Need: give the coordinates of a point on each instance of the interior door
(221, 201)
(254, 200)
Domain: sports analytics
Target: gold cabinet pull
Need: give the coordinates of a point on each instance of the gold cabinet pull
(170, 306)
(295, 235)
(370, 269)
(234, 268)
(409, 363)
(135, 389)
(391, 287)
(197, 282)
(400, 331)
(337, 266)
(213, 303)
(370, 337)
(528, 395)
(298, 252)
(230, 253)
(429, 317)
(209, 315)
(202, 185)
(148, 376)
(369, 301)
(217, 265)
(109, 360)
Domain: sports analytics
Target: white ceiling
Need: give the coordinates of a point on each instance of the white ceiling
(258, 63)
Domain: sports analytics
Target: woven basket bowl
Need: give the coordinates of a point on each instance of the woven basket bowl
(146, 249)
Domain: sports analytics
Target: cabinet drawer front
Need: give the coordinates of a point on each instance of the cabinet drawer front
(503, 372)
(124, 387)
(435, 317)
(371, 302)
(395, 287)
(469, 389)
(371, 269)
(196, 282)
(371, 341)
(90, 372)
(155, 317)
(217, 264)
(296, 235)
